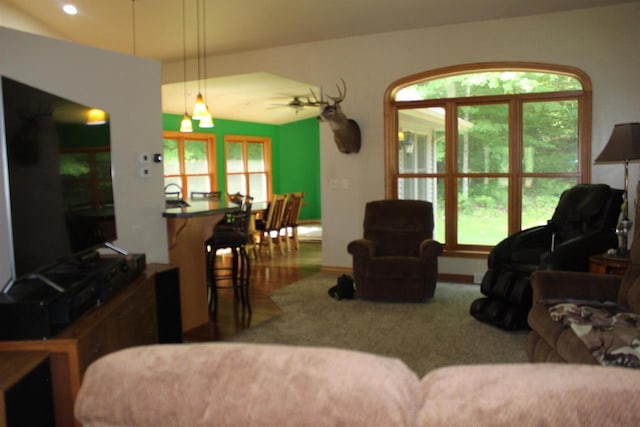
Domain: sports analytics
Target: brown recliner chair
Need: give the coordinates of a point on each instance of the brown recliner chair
(397, 258)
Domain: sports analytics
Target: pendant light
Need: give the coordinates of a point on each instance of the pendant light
(207, 120)
(185, 124)
(200, 108)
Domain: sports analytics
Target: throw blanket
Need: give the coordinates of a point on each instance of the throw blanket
(612, 337)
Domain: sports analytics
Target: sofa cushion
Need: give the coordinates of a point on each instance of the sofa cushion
(534, 394)
(612, 337)
(565, 343)
(225, 384)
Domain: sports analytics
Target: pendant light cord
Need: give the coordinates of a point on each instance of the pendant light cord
(204, 48)
(133, 25)
(184, 53)
(198, 39)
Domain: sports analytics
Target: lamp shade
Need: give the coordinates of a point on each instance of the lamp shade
(623, 144)
(206, 121)
(200, 108)
(185, 124)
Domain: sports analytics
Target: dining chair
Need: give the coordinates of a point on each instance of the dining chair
(289, 229)
(209, 195)
(268, 231)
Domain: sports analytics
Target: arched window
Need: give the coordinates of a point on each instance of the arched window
(490, 145)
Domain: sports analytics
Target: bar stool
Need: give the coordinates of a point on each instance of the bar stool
(232, 234)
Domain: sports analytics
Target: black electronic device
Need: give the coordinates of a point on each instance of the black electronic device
(59, 179)
(33, 309)
(40, 305)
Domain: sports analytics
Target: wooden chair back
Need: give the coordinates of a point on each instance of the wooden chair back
(293, 209)
(276, 212)
(273, 223)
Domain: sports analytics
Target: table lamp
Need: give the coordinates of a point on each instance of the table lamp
(623, 146)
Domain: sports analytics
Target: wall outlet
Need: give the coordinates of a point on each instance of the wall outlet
(477, 277)
(144, 158)
(144, 172)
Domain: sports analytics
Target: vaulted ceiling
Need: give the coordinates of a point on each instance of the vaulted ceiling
(243, 25)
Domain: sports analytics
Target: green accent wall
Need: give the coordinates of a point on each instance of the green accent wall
(295, 155)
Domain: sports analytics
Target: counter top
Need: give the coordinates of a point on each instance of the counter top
(201, 208)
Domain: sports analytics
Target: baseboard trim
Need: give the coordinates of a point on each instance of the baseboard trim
(442, 277)
(456, 278)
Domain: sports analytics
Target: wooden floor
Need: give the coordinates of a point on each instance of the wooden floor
(267, 275)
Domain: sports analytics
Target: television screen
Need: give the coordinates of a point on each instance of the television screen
(59, 173)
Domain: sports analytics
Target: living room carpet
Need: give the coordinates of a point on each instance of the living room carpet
(425, 335)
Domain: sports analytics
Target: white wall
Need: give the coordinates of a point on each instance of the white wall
(603, 42)
(129, 89)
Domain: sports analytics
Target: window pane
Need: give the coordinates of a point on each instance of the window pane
(256, 157)
(540, 197)
(483, 211)
(550, 136)
(236, 184)
(235, 161)
(488, 83)
(198, 183)
(170, 157)
(431, 190)
(195, 157)
(258, 187)
(483, 138)
(421, 142)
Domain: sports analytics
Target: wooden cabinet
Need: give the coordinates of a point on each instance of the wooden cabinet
(186, 250)
(130, 318)
(25, 389)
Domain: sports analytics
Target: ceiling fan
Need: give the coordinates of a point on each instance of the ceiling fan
(297, 103)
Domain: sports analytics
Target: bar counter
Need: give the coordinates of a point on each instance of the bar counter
(188, 228)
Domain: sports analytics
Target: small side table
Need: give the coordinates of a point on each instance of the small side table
(604, 264)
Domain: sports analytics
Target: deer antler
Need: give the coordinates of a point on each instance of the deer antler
(315, 100)
(341, 95)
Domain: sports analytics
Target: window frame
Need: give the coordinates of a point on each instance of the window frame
(515, 174)
(245, 140)
(181, 137)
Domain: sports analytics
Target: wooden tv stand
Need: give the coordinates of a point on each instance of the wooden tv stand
(128, 319)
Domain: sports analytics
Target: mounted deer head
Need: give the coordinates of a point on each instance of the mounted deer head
(346, 132)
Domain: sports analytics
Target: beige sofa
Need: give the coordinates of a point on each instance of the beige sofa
(225, 384)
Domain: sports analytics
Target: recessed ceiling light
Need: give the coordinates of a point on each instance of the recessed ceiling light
(70, 9)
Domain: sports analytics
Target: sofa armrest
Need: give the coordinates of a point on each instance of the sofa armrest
(532, 242)
(573, 255)
(362, 248)
(233, 384)
(430, 249)
(574, 285)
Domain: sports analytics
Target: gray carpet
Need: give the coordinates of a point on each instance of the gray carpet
(425, 335)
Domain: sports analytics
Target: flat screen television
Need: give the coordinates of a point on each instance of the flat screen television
(59, 178)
